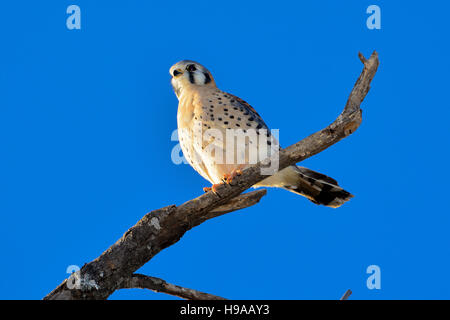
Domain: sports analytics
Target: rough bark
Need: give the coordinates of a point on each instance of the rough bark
(161, 228)
(140, 281)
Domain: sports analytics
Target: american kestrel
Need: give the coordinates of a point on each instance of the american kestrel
(206, 114)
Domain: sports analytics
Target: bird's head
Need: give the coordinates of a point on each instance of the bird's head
(187, 74)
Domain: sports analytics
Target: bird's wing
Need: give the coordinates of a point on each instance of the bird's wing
(247, 111)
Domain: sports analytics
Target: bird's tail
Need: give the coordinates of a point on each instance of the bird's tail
(315, 186)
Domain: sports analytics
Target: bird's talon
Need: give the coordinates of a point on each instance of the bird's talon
(229, 177)
(226, 177)
(213, 188)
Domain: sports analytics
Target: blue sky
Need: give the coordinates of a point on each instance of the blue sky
(86, 118)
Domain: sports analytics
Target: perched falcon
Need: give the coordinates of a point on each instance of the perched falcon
(206, 115)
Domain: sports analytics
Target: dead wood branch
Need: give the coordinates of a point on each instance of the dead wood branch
(161, 228)
(140, 281)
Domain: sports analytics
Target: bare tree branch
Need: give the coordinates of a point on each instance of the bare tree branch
(161, 228)
(240, 202)
(141, 281)
(136, 237)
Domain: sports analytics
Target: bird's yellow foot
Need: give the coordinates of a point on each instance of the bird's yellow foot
(225, 177)
(228, 178)
(213, 188)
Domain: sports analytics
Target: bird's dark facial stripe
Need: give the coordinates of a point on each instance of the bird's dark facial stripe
(191, 77)
(207, 78)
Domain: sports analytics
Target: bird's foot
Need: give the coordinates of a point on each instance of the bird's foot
(213, 188)
(228, 178)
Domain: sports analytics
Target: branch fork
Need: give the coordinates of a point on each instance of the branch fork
(115, 268)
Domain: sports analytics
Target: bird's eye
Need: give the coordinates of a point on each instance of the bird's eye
(176, 72)
(191, 68)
